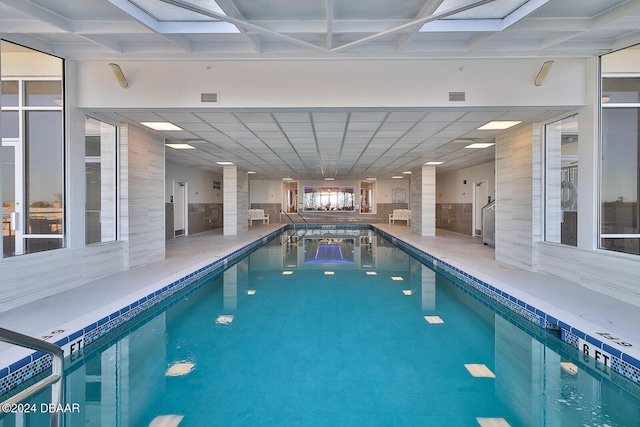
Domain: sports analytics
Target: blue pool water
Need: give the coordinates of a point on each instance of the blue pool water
(296, 335)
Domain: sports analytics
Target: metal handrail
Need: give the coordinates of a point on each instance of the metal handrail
(306, 226)
(53, 380)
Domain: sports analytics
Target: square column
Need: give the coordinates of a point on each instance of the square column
(423, 201)
(235, 201)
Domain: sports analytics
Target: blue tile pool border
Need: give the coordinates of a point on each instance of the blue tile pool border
(28, 367)
(622, 363)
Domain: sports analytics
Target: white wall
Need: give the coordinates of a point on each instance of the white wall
(450, 187)
(200, 183)
(384, 189)
(265, 191)
(344, 83)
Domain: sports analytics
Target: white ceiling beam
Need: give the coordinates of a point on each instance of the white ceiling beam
(230, 9)
(602, 20)
(522, 12)
(104, 41)
(240, 23)
(179, 41)
(410, 25)
(33, 42)
(40, 13)
(481, 39)
(427, 10)
(626, 41)
(150, 22)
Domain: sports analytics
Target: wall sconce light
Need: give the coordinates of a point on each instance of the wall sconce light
(542, 73)
(117, 71)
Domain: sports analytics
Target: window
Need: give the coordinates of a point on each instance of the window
(101, 194)
(329, 198)
(620, 152)
(32, 151)
(561, 163)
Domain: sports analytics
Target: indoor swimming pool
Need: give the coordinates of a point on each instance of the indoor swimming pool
(335, 327)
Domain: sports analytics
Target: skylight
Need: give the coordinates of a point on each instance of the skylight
(184, 16)
(497, 9)
(167, 12)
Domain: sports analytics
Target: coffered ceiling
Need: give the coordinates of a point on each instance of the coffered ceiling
(317, 143)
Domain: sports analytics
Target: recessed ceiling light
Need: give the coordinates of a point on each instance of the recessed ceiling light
(250, 172)
(371, 273)
(287, 273)
(329, 273)
(433, 319)
(433, 163)
(371, 179)
(397, 278)
(406, 291)
(480, 145)
(251, 292)
(224, 163)
(396, 177)
(287, 179)
(181, 146)
(329, 179)
(161, 126)
(499, 125)
(407, 172)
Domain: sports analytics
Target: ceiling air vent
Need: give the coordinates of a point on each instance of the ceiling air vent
(209, 97)
(456, 96)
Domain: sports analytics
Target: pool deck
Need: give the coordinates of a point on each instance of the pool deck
(590, 311)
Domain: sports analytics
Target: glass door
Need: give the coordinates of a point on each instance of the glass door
(12, 207)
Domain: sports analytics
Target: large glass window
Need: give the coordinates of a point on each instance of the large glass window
(31, 98)
(329, 198)
(561, 162)
(620, 152)
(100, 164)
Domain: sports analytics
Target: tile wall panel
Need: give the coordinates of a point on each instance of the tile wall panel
(415, 188)
(514, 194)
(146, 198)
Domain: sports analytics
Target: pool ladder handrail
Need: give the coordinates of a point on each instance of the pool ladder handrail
(306, 224)
(54, 379)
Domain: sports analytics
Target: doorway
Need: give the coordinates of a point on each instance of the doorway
(179, 209)
(480, 200)
(12, 196)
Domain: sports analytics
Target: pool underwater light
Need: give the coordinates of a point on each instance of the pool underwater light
(493, 422)
(224, 319)
(569, 368)
(179, 369)
(433, 319)
(479, 370)
(166, 421)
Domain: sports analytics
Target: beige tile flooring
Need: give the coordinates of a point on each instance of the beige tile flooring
(585, 309)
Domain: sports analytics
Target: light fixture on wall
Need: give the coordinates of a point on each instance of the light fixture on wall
(542, 74)
(117, 71)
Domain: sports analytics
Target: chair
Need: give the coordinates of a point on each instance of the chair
(258, 215)
(400, 215)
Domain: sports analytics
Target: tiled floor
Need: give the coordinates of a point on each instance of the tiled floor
(588, 310)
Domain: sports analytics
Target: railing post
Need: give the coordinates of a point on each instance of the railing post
(54, 380)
